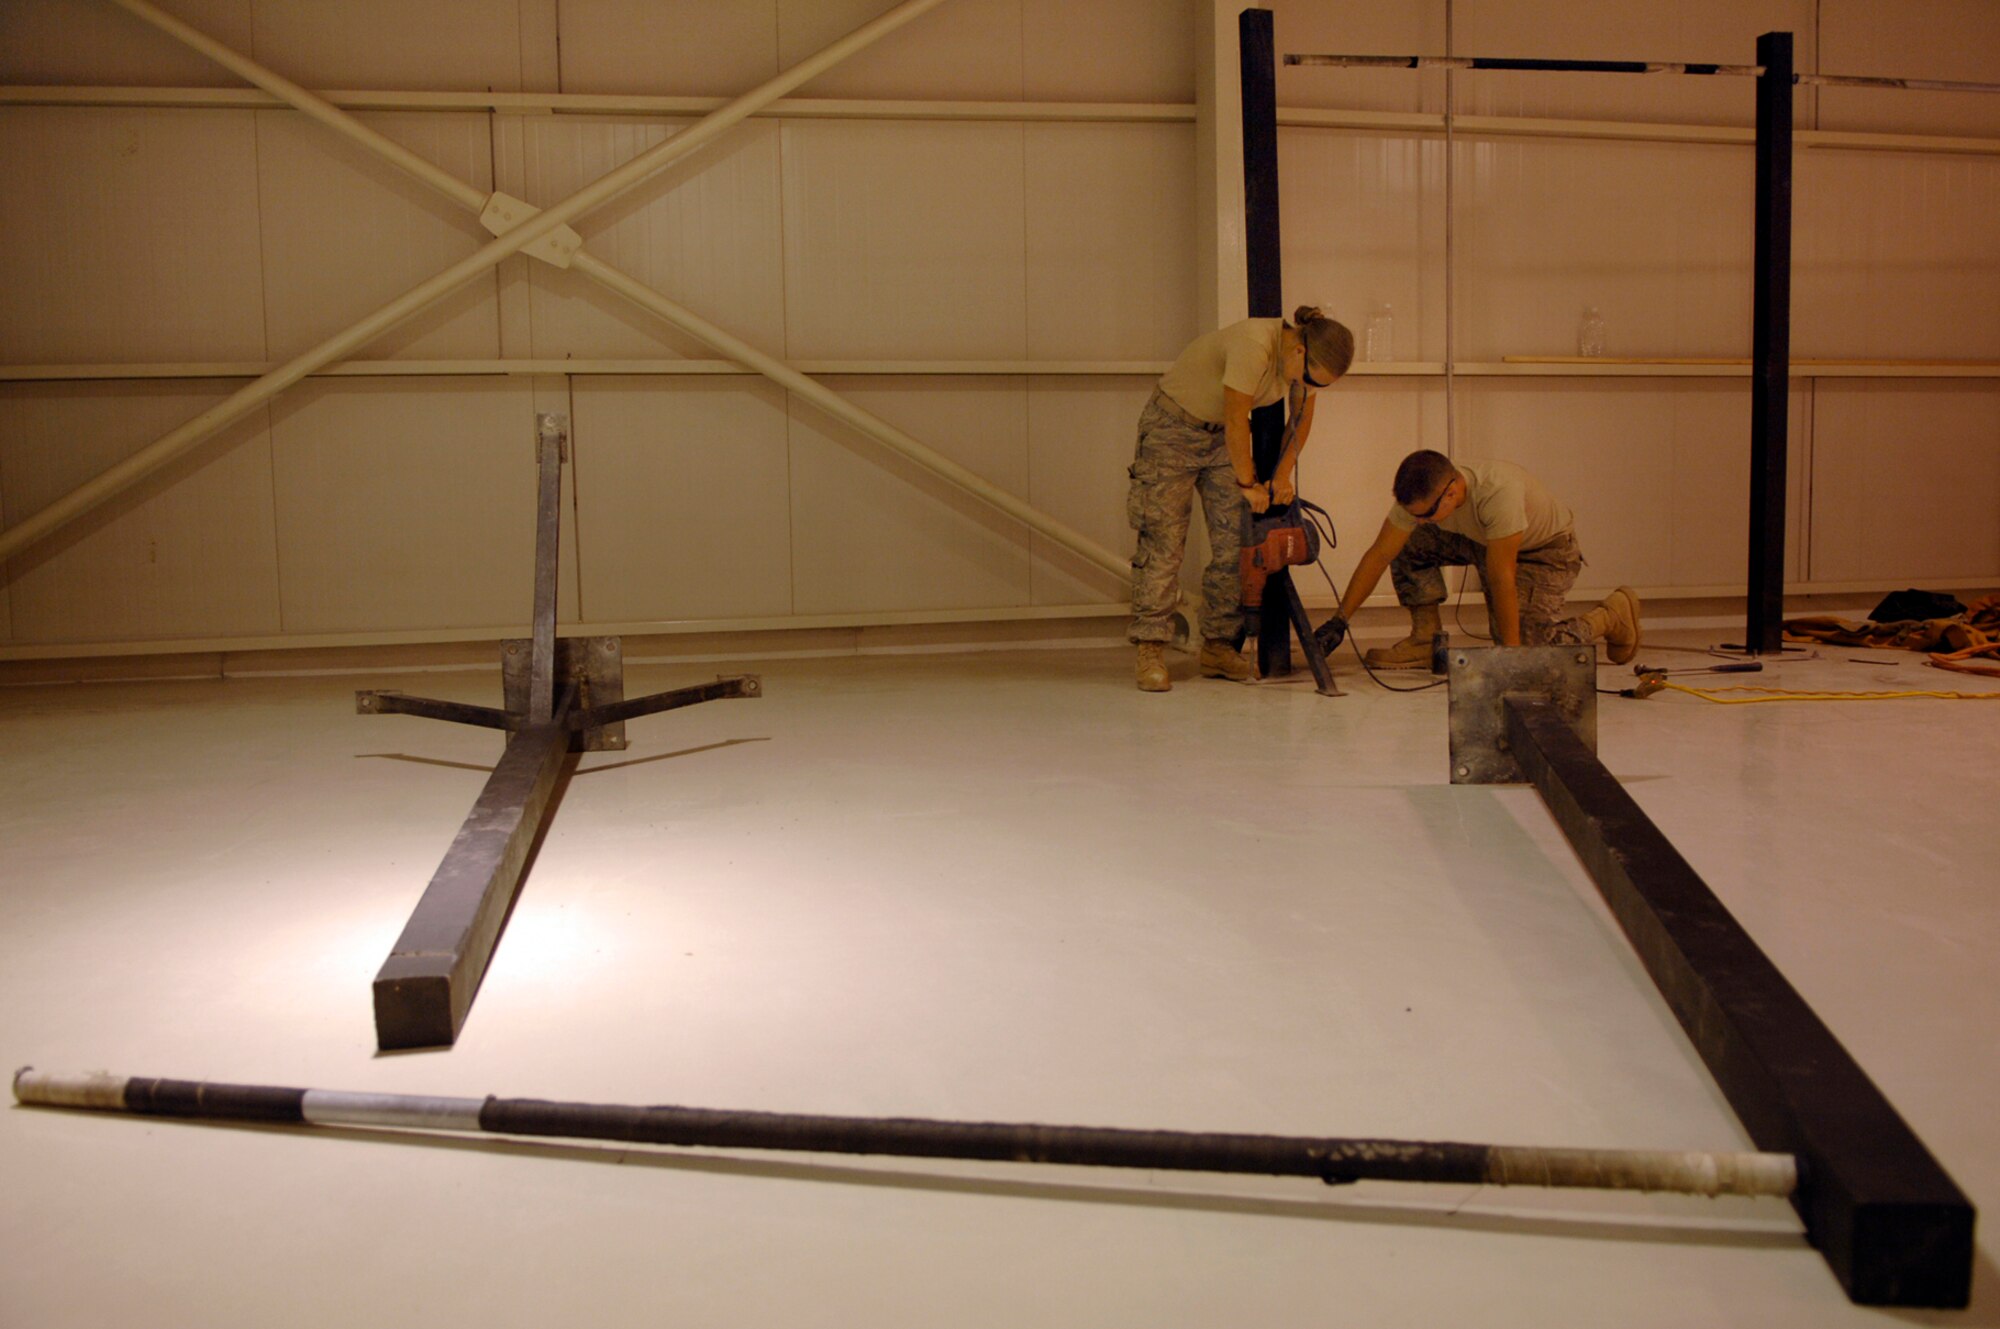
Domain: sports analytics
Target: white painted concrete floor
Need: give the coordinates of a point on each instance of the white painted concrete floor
(999, 886)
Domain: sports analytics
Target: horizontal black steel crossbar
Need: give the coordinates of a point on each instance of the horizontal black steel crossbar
(1785, 75)
(1894, 1227)
(1536, 66)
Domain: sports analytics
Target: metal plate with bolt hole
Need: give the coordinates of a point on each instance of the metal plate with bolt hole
(595, 664)
(1482, 677)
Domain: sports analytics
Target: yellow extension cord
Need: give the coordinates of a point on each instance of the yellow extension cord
(1784, 694)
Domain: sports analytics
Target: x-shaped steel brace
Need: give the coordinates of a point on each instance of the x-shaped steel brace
(519, 227)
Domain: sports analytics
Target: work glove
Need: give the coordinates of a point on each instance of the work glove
(1328, 635)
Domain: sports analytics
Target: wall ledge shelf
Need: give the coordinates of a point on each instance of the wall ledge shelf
(638, 368)
(1053, 112)
(1513, 366)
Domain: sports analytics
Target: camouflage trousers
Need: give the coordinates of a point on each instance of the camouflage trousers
(1542, 578)
(1176, 459)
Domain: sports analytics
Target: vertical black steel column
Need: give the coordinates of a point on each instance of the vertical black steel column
(1257, 50)
(1771, 348)
(548, 507)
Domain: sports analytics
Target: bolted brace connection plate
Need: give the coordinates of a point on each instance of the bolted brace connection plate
(1481, 679)
(596, 665)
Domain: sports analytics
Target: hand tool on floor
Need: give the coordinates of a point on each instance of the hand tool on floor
(1653, 679)
(1735, 667)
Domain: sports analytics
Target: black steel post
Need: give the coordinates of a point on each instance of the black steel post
(1771, 348)
(1894, 1227)
(1257, 52)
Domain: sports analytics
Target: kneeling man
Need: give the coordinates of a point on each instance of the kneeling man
(1495, 516)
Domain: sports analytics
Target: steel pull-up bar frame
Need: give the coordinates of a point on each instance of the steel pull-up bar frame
(1764, 598)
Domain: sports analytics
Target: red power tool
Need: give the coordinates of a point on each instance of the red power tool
(1279, 537)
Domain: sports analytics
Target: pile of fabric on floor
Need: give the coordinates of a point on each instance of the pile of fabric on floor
(1957, 637)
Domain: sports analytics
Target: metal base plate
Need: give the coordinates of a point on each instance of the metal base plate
(1480, 677)
(595, 664)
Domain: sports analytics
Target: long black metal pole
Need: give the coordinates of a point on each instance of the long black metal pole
(1771, 348)
(1894, 1227)
(1328, 1158)
(1634, 67)
(1536, 66)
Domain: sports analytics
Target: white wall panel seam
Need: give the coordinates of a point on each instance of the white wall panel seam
(1027, 315)
(785, 141)
(264, 327)
(277, 537)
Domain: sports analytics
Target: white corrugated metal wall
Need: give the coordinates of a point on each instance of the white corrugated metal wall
(910, 242)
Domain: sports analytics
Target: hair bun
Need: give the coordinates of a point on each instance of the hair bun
(1305, 314)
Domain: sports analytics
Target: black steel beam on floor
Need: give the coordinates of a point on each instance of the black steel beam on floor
(1895, 1228)
(426, 986)
(1771, 348)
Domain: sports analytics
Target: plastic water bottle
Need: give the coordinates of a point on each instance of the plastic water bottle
(1381, 343)
(1590, 334)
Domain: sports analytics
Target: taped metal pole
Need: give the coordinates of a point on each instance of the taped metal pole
(150, 458)
(1329, 1159)
(617, 281)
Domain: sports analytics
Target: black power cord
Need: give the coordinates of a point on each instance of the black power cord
(1314, 513)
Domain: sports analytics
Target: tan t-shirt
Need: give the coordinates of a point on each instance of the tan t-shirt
(1243, 356)
(1500, 499)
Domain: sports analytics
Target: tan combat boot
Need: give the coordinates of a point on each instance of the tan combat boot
(1413, 651)
(1616, 620)
(1153, 668)
(1220, 659)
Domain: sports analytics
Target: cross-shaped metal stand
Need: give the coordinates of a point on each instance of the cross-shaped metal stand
(562, 696)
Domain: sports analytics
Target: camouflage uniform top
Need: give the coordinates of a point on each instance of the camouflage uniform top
(1500, 500)
(1243, 356)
